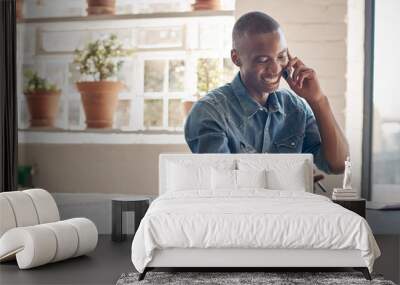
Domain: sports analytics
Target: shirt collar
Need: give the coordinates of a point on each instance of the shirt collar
(248, 104)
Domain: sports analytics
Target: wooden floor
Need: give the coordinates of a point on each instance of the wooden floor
(110, 259)
(102, 266)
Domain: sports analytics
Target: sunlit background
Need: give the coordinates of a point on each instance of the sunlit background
(386, 123)
(173, 59)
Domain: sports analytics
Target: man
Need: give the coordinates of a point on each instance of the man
(251, 115)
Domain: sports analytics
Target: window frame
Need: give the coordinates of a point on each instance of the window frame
(189, 52)
(367, 134)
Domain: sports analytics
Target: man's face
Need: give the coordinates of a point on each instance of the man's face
(261, 58)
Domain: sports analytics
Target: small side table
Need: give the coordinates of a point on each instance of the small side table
(355, 205)
(120, 205)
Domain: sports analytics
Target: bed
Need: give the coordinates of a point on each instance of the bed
(247, 211)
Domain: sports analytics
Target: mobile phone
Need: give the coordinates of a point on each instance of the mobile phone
(286, 73)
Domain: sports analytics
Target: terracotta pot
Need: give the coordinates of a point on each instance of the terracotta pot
(100, 7)
(99, 99)
(186, 107)
(19, 10)
(207, 5)
(43, 107)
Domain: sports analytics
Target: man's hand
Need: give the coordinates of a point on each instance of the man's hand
(334, 144)
(304, 81)
(318, 177)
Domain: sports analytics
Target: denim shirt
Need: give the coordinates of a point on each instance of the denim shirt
(228, 120)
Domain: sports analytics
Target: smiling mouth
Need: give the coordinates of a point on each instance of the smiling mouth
(269, 82)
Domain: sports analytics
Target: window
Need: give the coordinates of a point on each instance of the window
(384, 104)
(174, 59)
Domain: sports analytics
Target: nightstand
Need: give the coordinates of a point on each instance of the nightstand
(355, 205)
(120, 205)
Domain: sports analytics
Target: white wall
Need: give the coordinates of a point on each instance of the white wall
(355, 85)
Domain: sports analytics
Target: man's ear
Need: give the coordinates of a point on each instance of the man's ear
(235, 58)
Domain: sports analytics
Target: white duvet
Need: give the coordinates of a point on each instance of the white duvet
(251, 218)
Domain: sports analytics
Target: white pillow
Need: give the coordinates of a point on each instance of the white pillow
(291, 181)
(282, 174)
(188, 177)
(223, 179)
(251, 178)
(227, 179)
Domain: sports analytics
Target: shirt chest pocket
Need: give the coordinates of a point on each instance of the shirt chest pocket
(246, 148)
(291, 144)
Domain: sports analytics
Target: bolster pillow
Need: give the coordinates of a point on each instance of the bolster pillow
(40, 244)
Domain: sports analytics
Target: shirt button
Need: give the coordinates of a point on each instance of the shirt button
(293, 143)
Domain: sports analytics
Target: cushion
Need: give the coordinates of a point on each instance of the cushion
(46, 207)
(67, 239)
(87, 233)
(293, 181)
(23, 208)
(33, 246)
(7, 218)
(26, 208)
(40, 244)
(227, 179)
(251, 178)
(223, 179)
(188, 177)
(285, 174)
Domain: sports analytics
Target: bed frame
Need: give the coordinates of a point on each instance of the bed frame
(248, 259)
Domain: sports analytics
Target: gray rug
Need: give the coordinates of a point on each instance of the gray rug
(269, 278)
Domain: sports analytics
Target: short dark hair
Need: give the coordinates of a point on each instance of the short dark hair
(253, 23)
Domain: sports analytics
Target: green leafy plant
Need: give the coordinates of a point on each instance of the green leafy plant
(35, 83)
(208, 74)
(99, 60)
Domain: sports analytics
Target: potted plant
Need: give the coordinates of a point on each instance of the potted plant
(208, 78)
(19, 10)
(187, 104)
(42, 98)
(99, 63)
(100, 7)
(206, 5)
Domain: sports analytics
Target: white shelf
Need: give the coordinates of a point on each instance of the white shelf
(189, 14)
(100, 137)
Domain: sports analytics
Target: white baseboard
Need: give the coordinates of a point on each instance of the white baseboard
(96, 207)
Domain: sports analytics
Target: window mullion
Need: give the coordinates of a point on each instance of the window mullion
(165, 94)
